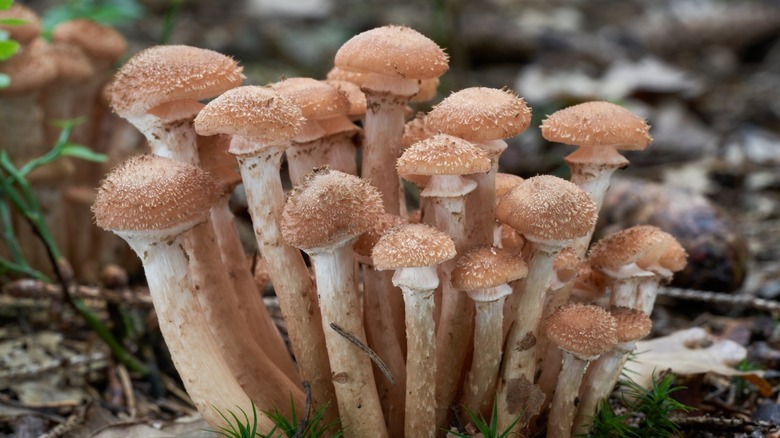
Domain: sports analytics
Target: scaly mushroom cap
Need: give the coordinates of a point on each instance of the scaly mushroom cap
(632, 324)
(353, 77)
(365, 244)
(487, 267)
(30, 69)
(415, 130)
(590, 284)
(97, 40)
(357, 100)
(626, 246)
(329, 208)
(22, 33)
(597, 124)
(317, 99)
(412, 246)
(547, 209)
(583, 330)
(258, 113)
(148, 192)
(566, 264)
(177, 110)
(217, 162)
(338, 125)
(504, 183)
(480, 115)
(72, 63)
(164, 73)
(427, 91)
(669, 256)
(443, 155)
(393, 51)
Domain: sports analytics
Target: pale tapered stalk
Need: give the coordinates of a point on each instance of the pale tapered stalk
(623, 291)
(288, 272)
(564, 403)
(520, 357)
(381, 335)
(488, 339)
(646, 293)
(203, 371)
(342, 154)
(600, 379)
(253, 310)
(174, 140)
(383, 130)
(547, 353)
(266, 385)
(358, 401)
(421, 351)
(302, 158)
(593, 180)
(481, 203)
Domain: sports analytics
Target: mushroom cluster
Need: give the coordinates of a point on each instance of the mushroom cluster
(406, 315)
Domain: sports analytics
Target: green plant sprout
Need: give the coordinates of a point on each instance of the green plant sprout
(110, 12)
(16, 192)
(485, 428)
(8, 47)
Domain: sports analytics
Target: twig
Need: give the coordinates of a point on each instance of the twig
(29, 288)
(726, 423)
(31, 370)
(305, 420)
(70, 423)
(721, 298)
(374, 357)
(127, 387)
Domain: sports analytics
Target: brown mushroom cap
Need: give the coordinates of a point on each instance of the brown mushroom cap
(353, 77)
(217, 162)
(97, 40)
(504, 183)
(547, 208)
(669, 255)
(357, 100)
(72, 63)
(393, 51)
(443, 155)
(412, 246)
(317, 99)
(415, 130)
(427, 91)
(365, 244)
(583, 330)
(480, 115)
(22, 33)
(148, 192)
(329, 208)
(253, 112)
(177, 110)
(597, 124)
(486, 267)
(30, 69)
(603, 157)
(626, 246)
(590, 284)
(164, 73)
(566, 264)
(632, 324)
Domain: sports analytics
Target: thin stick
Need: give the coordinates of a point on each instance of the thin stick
(374, 357)
(305, 420)
(715, 297)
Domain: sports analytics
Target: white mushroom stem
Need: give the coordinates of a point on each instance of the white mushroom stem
(173, 140)
(564, 403)
(203, 371)
(262, 328)
(520, 349)
(646, 293)
(266, 385)
(383, 130)
(381, 335)
(548, 354)
(600, 379)
(488, 339)
(421, 348)
(358, 401)
(481, 203)
(342, 154)
(288, 271)
(623, 284)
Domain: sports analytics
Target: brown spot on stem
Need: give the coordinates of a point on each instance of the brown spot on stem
(523, 397)
(528, 341)
(340, 378)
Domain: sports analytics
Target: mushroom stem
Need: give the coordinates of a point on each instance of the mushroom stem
(481, 380)
(421, 350)
(520, 358)
(168, 139)
(564, 403)
(266, 385)
(646, 292)
(303, 157)
(623, 291)
(288, 271)
(481, 203)
(594, 181)
(205, 375)
(383, 130)
(359, 407)
(253, 310)
(341, 155)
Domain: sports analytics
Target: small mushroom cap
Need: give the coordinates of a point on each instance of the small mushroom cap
(590, 284)
(583, 330)
(30, 69)
(148, 192)
(632, 324)
(97, 40)
(393, 51)
(258, 113)
(177, 110)
(357, 100)
(486, 267)
(594, 124)
(215, 159)
(504, 183)
(596, 156)
(365, 244)
(338, 125)
(546, 208)
(22, 33)
(164, 73)
(566, 264)
(415, 130)
(328, 209)
(443, 155)
(317, 99)
(427, 91)
(353, 77)
(626, 247)
(480, 115)
(72, 63)
(412, 246)
(669, 255)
